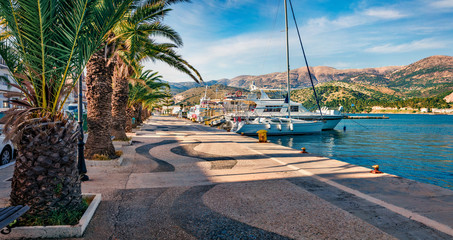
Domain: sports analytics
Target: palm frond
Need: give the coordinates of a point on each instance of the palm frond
(170, 57)
(47, 42)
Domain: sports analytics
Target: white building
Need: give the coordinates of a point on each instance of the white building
(7, 92)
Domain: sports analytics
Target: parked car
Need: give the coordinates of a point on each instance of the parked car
(6, 149)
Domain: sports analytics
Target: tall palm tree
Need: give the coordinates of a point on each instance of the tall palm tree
(133, 34)
(99, 97)
(46, 43)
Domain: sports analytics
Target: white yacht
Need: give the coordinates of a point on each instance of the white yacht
(278, 126)
(264, 106)
(284, 123)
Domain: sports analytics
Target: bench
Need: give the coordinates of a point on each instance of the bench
(8, 215)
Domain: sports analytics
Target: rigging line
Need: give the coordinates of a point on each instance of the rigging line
(306, 62)
(359, 124)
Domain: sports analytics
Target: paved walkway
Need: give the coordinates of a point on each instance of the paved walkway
(181, 180)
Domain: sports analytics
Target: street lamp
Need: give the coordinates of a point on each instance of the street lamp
(81, 159)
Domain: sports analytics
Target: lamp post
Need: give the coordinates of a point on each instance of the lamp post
(81, 159)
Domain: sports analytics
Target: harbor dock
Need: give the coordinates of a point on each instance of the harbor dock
(184, 180)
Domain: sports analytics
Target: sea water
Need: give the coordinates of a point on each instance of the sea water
(414, 146)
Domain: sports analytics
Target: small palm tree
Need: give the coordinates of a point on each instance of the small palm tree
(45, 44)
(133, 38)
(145, 93)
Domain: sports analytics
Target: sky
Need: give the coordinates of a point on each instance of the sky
(228, 38)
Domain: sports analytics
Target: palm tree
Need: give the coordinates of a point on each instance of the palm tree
(133, 35)
(45, 44)
(99, 97)
(145, 93)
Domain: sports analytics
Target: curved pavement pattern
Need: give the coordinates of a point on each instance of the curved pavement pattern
(195, 182)
(163, 166)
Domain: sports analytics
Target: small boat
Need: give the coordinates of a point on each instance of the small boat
(278, 126)
(206, 110)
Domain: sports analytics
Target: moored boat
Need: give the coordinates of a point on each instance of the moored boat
(264, 106)
(278, 126)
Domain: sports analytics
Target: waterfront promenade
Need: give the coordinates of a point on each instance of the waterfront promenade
(182, 180)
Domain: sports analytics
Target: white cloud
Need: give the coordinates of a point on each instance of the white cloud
(442, 4)
(368, 16)
(424, 44)
(383, 13)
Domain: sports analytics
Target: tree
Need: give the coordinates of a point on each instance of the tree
(99, 98)
(133, 38)
(44, 44)
(145, 93)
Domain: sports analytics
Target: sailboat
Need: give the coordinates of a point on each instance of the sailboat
(280, 125)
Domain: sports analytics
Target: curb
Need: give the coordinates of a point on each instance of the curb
(62, 231)
(8, 164)
(112, 163)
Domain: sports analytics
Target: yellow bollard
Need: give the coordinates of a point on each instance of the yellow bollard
(303, 150)
(376, 169)
(262, 136)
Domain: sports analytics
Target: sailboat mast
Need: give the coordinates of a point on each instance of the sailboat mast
(287, 61)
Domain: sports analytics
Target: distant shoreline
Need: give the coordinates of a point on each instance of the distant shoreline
(404, 112)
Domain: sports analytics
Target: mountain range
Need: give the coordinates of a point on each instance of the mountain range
(428, 77)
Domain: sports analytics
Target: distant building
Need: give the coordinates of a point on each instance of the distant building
(7, 92)
(442, 111)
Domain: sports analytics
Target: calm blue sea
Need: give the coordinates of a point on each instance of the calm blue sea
(418, 147)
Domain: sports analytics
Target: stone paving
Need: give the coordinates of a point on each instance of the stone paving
(181, 180)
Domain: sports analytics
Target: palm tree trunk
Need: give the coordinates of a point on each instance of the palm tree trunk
(119, 104)
(129, 116)
(135, 114)
(46, 176)
(99, 106)
(139, 115)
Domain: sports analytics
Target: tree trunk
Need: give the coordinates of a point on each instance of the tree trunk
(99, 106)
(135, 109)
(46, 176)
(119, 104)
(139, 115)
(129, 116)
(145, 114)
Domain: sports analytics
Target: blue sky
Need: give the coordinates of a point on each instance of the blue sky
(228, 38)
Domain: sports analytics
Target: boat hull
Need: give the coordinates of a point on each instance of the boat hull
(281, 129)
(330, 122)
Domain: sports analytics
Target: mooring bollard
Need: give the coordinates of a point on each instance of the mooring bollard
(303, 150)
(262, 136)
(376, 169)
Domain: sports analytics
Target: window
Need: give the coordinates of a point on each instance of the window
(272, 109)
(5, 104)
(294, 108)
(3, 78)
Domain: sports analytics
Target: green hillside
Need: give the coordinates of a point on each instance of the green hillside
(356, 97)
